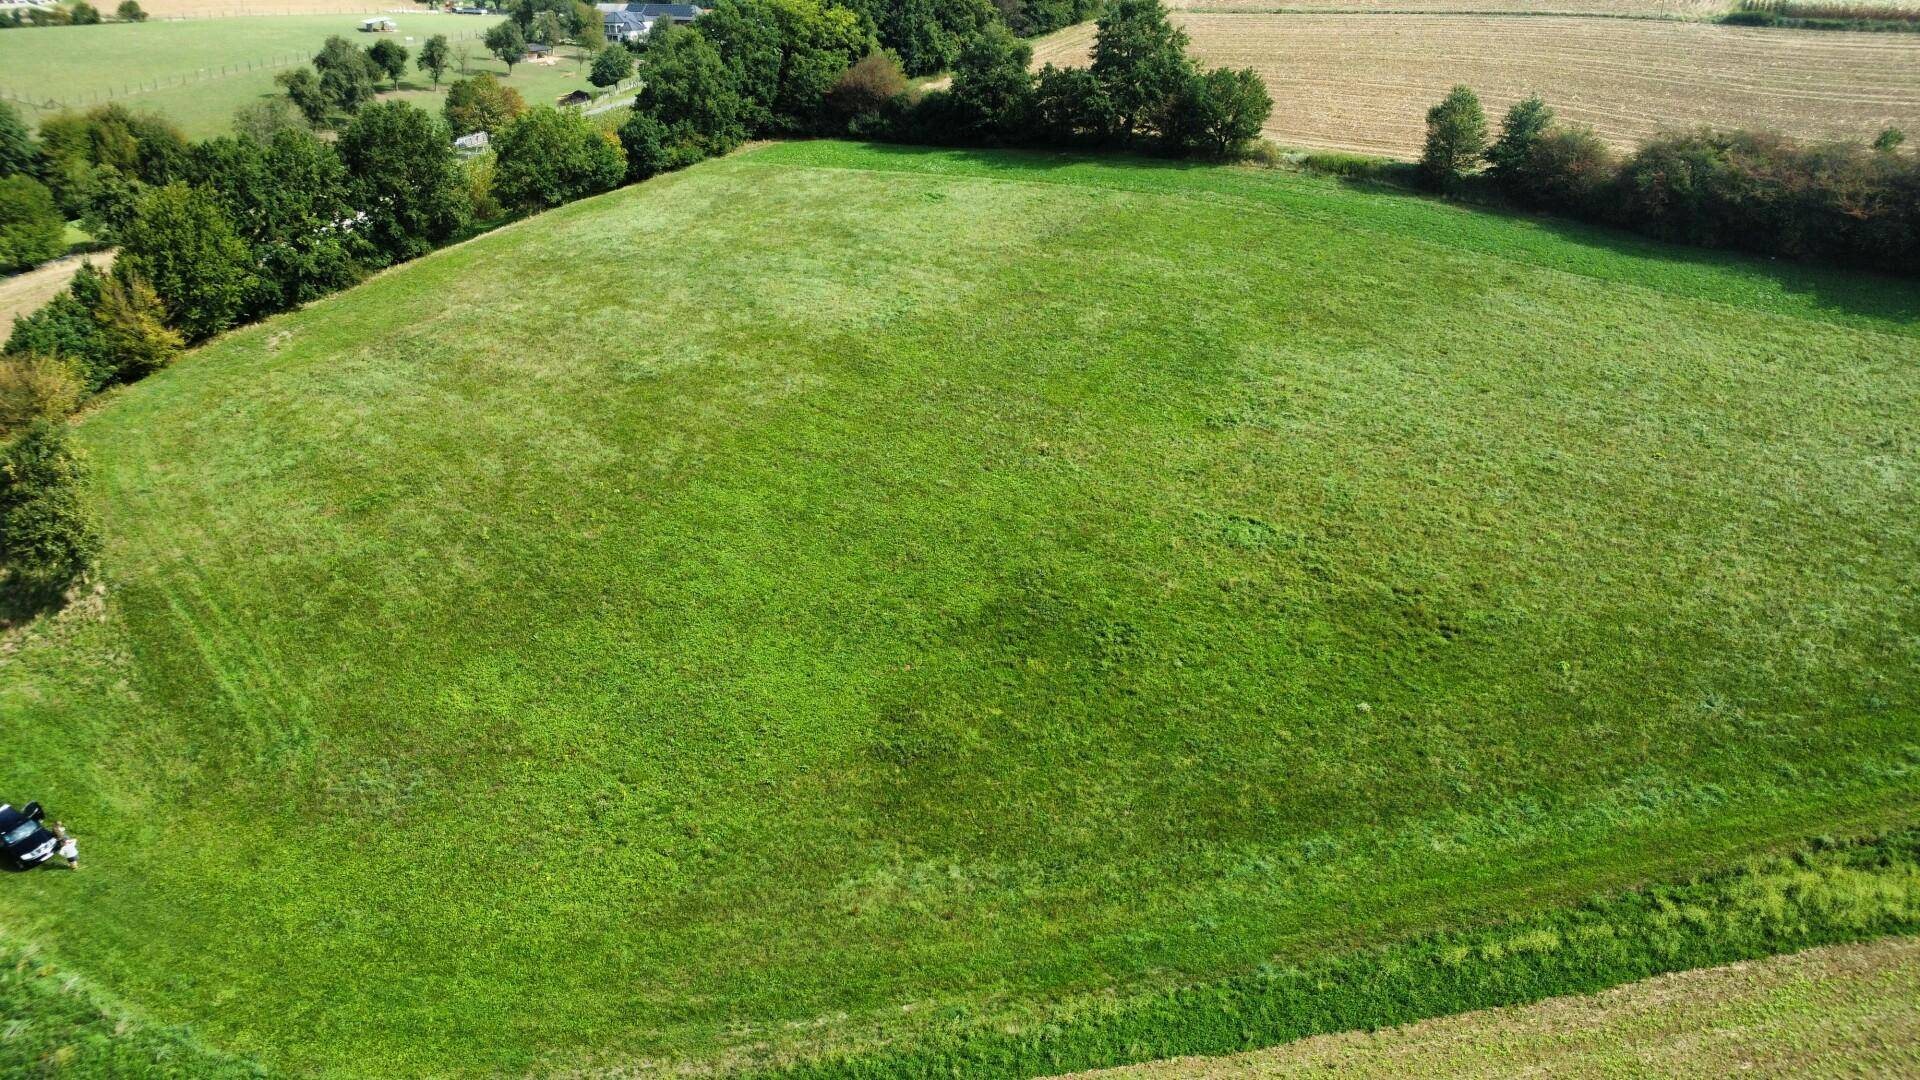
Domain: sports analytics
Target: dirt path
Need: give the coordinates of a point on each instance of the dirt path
(23, 293)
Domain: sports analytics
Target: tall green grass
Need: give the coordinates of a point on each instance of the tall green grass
(1824, 895)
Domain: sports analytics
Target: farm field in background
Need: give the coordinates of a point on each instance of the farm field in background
(230, 9)
(1364, 82)
(515, 665)
(1846, 1010)
(82, 66)
(1670, 9)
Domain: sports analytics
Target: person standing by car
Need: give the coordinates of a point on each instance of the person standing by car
(69, 846)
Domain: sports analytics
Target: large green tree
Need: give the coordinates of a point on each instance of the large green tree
(507, 41)
(551, 156)
(390, 57)
(435, 56)
(47, 540)
(1456, 138)
(182, 241)
(406, 179)
(32, 229)
(610, 65)
(348, 76)
(688, 87)
(992, 94)
(17, 152)
(1217, 113)
(1141, 62)
(1522, 129)
(288, 197)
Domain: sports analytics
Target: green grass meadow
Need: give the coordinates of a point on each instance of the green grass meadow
(44, 69)
(838, 592)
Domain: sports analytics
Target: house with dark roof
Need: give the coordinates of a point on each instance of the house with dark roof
(631, 22)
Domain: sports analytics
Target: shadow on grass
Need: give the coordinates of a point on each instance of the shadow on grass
(1831, 288)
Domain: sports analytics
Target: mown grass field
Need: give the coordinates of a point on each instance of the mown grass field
(836, 591)
(198, 72)
(1844, 1010)
(1363, 82)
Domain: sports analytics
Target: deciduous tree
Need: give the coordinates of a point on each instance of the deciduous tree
(182, 241)
(47, 540)
(1456, 138)
(434, 58)
(406, 179)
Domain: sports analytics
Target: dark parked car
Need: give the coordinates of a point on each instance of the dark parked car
(24, 842)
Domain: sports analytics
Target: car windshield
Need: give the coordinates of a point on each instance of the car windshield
(19, 832)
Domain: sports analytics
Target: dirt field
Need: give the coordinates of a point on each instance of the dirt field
(1850, 1010)
(21, 294)
(1364, 82)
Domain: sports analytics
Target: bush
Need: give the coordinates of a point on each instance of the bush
(1568, 168)
(866, 88)
(1140, 60)
(653, 146)
(65, 328)
(83, 14)
(1217, 114)
(34, 387)
(1070, 105)
(47, 541)
(550, 156)
(130, 11)
(1456, 138)
(133, 326)
(478, 171)
(32, 229)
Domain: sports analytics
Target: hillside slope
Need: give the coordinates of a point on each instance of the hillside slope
(835, 590)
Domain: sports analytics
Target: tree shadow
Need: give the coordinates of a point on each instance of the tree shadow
(1843, 290)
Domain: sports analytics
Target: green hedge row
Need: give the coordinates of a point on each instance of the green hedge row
(1829, 894)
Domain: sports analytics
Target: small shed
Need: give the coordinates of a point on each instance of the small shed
(577, 97)
(469, 145)
(379, 24)
(537, 50)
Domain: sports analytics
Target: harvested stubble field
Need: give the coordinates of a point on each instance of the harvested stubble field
(1364, 82)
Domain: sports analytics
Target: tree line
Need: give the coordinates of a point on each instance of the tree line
(78, 13)
(768, 68)
(1841, 202)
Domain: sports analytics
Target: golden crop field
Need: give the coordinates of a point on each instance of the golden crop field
(1364, 82)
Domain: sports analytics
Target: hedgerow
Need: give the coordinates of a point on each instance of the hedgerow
(1826, 894)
